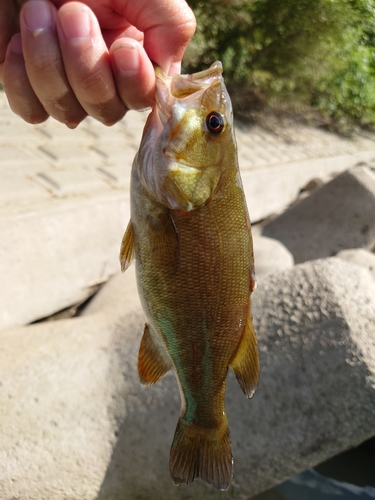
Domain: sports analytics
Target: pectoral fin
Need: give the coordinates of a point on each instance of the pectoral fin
(163, 239)
(153, 364)
(245, 363)
(127, 247)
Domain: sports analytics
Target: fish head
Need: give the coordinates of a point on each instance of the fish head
(189, 140)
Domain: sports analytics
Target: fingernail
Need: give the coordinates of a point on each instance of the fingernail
(76, 24)
(16, 44)
(174, 68)
(126, 57)
(37, 15)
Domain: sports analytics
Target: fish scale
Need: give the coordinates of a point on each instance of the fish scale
(190, 234)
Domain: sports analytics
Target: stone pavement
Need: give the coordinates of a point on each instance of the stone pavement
(64, 198)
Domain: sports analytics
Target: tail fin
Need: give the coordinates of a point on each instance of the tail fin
(198, 452)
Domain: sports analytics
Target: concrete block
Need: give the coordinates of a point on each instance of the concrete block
(315, 327)
(270, 256)
(77, 424)
(51, 256)
(337, 216)
(359, 256)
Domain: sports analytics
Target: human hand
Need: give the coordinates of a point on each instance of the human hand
(72, 59)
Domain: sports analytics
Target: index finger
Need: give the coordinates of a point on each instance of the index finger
(167, 25)
(165, 43)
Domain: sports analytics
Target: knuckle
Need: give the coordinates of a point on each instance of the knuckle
(43, 68)
(108, 117)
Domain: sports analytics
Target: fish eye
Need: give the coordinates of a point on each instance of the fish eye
(215, 122)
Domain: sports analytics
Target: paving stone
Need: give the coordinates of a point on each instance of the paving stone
(116, 175)
(127, 131)
(53, 132)
(71, 182)
(16, 190)
(18, 158)
(22, 135)
(121, 154)
(98, 133)
(72, 156)
(337, 216)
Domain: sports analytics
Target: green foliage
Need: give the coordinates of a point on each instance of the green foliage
(295, 53)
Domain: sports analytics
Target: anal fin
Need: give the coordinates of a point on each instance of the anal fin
(245, 363)
(127, 247)
(153, 364)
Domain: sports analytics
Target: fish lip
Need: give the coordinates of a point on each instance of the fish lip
(182, 87)
(215, 68)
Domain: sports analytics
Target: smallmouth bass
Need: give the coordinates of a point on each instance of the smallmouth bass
(190, 234)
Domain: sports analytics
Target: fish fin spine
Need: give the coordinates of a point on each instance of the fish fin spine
(127, 247)
(245, 363)
(152, 363)
(202, 453)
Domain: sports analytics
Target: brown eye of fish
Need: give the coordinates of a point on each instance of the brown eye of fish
(215, 122)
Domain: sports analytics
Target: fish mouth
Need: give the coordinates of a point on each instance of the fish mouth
(183, 85)
(168, 89)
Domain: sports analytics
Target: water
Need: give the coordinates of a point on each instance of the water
(349, 476)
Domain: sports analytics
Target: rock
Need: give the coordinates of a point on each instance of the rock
(62, 250)
(313, 184)
(270, 256)
(337, 216)
(359, 256)
(271, 188)
(316, 395)
(77, 424)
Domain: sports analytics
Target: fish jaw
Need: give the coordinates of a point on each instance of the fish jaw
(182, 162)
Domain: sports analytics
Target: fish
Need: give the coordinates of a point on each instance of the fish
(190, 235)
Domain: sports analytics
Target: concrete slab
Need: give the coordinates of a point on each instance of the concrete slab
(53, 254)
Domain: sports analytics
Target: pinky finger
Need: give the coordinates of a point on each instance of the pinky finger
(20, 94)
